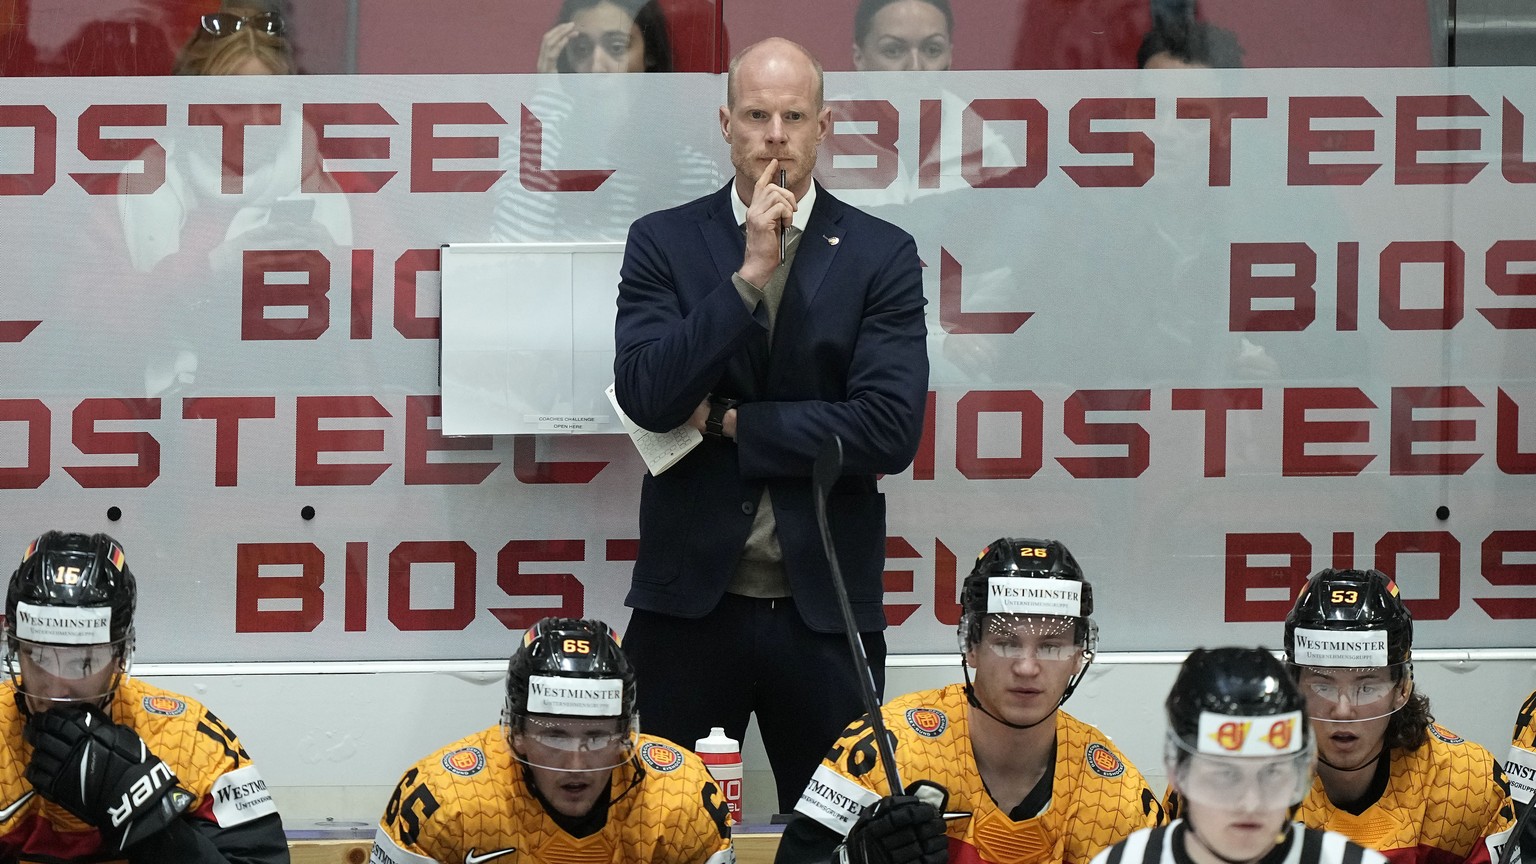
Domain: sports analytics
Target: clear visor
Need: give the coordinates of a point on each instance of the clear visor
(575, 744)
(47, 673)
(1044, 638)
(1239, 783)
(1342, 695)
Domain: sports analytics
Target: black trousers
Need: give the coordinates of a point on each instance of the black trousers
(750, 656)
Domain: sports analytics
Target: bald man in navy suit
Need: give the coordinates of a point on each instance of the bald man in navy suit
(734, 609)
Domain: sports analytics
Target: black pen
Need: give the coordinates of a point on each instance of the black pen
(783, 230)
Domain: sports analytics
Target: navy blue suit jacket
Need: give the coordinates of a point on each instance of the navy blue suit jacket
(849, 356)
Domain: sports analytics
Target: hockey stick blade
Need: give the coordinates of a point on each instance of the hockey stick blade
(824, 473)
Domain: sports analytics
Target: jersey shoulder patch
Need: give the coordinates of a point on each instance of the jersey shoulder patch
(1103, 761)
(661, 757)
(927, 722)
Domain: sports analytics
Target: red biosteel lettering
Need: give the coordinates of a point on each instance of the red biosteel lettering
(310, 441)
(1303, 141)
(1498, 570)
(427, 147)
(408, 268)
(226, 412)
(530, 164)
(39, 420)
(946, 585)
(955, 319)
(1133, 144)
(1248, 291)
(899, 581)
(973, 165)
(1298, 432)
(511, 579)
(879, 143)
(233, 120)
(1505, 283)
(1243, 576)
(422, 440)
(45, 153)
(257, 294)
(402, 560)
(1447, 551)
(1413, 141)
(1221, 110)
(528, 468)
(318, 118)
(1031, 413)
(1514, 166)
(930, 124)
(1451, 262)
(1216, 403)
(146, 151)
(1407, 431)
(1132, 436)
(141, 445)
(1507, 451)
(252, 587)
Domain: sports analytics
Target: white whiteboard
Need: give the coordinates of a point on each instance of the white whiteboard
(527, 337)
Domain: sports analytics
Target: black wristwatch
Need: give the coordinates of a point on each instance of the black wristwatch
(714, 425)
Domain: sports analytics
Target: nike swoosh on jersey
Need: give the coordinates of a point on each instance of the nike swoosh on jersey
(471, 858)
(10, 811)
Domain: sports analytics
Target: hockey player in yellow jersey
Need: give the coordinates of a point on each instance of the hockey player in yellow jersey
(992, 771)
(1388, 777)
(97, 766)
(564, 779)
(1522, 775)
(1239, 757)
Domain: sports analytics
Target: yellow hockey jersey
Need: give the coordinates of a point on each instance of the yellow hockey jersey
(469, 803)
(1097, 796)
(1445, 803)
(200, 750)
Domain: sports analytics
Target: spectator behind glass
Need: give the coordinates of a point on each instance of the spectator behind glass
(1188, 44)
(607, 36)
(902, 36)
(238, 40)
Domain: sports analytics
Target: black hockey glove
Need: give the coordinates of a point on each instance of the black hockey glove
(102, 773)
(897, 829)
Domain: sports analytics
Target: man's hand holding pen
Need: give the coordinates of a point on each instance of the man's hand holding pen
(768, 219)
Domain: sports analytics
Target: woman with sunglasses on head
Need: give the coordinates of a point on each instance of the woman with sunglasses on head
(238, 40)
(208, 210)
(607, 36)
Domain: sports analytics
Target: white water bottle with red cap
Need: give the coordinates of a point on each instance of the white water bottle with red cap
(722, 754)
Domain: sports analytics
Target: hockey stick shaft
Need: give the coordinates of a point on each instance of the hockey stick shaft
(824, 474)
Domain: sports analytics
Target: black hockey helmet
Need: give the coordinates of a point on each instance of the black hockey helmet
(1234, 682)
(1008, 559)
(73, 571)
(1361, 602)
(1237, 726)
(576, 650)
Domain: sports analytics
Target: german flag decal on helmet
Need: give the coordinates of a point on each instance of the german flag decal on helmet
(465, 761)
(927, 722)
(1104, 762)
(661, 757)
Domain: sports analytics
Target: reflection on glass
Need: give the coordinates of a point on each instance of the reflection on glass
(902, 35)
(607, 36)
(1184, 43)
(241, 40)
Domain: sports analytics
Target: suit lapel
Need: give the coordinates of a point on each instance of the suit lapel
(812, 260)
